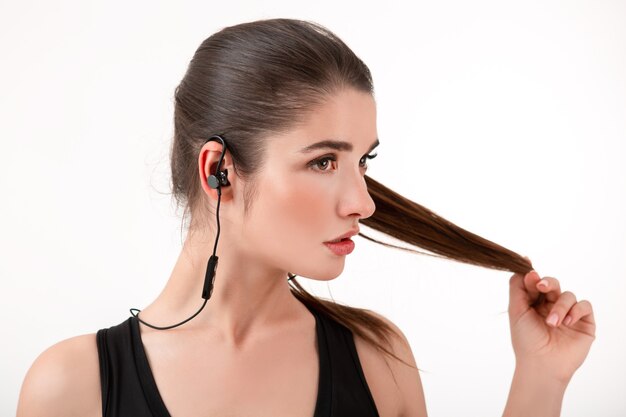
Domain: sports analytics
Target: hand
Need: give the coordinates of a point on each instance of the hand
(557, 348)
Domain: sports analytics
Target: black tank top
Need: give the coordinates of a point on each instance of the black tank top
(129, 389)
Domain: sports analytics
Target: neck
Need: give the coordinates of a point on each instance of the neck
(249, 297)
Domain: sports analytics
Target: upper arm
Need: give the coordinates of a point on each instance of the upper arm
(408, 378)
(64, 380)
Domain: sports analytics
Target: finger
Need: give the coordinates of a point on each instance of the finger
(518, 296)
(530, 283)
(560, 308)
(582, 310)
(551, 287)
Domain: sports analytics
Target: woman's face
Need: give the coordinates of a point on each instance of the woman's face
(306, 198)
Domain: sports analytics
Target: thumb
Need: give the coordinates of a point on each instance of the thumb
(519, 298)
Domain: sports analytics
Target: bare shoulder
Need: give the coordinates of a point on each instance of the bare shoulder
(409, 391)
(64, 380)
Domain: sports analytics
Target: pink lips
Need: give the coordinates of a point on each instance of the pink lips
(343, 247)
(349, 234)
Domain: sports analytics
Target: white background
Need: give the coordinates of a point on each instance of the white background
(506, 118)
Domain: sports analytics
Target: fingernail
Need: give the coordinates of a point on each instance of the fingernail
(567, 320)
(542, 283)
(552, 319)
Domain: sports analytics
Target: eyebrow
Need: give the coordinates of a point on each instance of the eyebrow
(336, 145)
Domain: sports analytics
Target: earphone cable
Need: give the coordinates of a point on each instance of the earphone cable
(135, 312)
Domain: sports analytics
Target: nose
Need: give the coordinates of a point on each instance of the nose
(356, 199)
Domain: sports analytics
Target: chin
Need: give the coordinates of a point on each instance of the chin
(325, 277)
(325, 269)
(327, 274)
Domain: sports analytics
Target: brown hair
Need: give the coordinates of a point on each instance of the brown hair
(259, 78)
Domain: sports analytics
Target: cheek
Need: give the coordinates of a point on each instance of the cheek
(291, 216)
(309, 208)
(290, 223)
(303, 208)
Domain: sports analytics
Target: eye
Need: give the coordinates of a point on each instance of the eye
(322, 163)
(369, 156)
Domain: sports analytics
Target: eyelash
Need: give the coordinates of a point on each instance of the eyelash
(333, 158)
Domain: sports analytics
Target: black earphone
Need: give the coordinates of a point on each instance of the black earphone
(217, 181)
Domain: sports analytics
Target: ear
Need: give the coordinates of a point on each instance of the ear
(208, 159)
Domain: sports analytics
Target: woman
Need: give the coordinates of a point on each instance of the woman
(275, 121)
